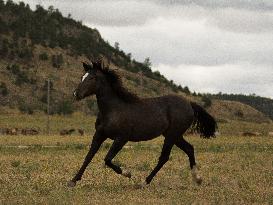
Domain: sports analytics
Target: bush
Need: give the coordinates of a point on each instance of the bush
(186, 90)
(3, 89)
(43, 99)
(20, 76)
(65, 108)
(25, 53)
(93, 106)
(206, 100)
(43, 56)
(4, 48)
(13, 69)
(239, 113)
(25, 108)
(57, 61)
(44, 88)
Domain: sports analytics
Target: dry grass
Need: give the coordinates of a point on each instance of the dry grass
(236, 170)
(12, 119)
(232, 110)
(38, 121)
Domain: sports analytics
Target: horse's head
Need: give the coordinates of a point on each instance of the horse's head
(87, 86)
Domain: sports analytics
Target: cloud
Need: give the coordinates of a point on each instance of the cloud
(225, 78)
(238, 20)
(174, 41)
(232, 15)
(263, 5)
(108, 12)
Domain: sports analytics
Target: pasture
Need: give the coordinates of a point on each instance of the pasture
(235, 170)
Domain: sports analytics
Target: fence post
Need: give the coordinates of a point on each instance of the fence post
(48, 105)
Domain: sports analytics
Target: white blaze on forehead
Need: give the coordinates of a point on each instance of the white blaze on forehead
(85, 76)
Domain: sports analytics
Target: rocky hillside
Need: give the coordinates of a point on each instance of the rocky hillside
(42, 44)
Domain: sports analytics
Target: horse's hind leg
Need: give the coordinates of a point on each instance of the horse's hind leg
(164, 157)
(95, 145)
(114, 149)
(189, 150)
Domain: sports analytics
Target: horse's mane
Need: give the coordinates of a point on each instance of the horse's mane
(116, 83)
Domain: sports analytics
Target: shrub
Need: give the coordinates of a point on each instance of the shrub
(13, 69)
(239, 113)
(44, 88)
(20, 76)
(186, 90)
(3, 89)
(57, 61)
(4, 48)
(25, 108)
(25, 53)
(65, 108)
(43, 99)
(93, 106)
(43, 56)
(206, 100)
(15, 163)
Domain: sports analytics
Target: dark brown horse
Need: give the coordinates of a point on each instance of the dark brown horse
(125, 117)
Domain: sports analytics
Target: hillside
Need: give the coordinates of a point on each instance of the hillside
(226, 110)
(264, 105)
(42, 44)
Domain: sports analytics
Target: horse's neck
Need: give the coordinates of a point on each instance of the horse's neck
(107, 99)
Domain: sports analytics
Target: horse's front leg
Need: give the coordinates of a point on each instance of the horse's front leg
(95, 145)
(115, 148)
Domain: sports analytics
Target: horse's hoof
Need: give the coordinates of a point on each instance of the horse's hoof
(126, 173)
(195, 176)
(141, 185)
(198, 180)
(71, 184)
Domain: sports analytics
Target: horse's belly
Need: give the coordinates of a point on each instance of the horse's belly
(137, 126)
(137, 132)
(147, 129)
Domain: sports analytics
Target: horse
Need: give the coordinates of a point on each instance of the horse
(123, 117)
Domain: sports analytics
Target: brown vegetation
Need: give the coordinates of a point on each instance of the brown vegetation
(29, 131)
(17, 131)
(67, 132)
(251, 134)
(81, 132)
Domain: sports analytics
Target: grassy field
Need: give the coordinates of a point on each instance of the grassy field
(235, 170)
(86, 122)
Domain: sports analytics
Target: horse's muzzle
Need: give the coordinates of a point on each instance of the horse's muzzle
(76, 96)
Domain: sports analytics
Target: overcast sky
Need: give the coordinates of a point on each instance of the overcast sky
(210, 46)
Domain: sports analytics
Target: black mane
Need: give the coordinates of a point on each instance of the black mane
(116, 83)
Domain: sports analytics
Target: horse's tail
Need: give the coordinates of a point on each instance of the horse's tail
(203, 122)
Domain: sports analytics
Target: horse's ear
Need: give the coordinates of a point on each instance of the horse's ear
(87, 67)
